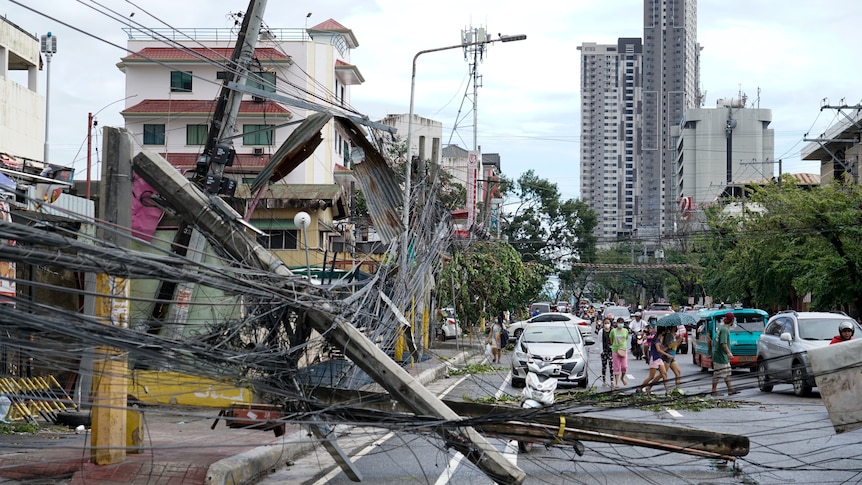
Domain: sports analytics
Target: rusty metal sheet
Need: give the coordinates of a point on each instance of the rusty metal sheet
(380, 184)
(300, 144)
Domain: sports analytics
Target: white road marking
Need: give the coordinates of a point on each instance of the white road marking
(674, 413)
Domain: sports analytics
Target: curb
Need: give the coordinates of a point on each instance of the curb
(263, 460)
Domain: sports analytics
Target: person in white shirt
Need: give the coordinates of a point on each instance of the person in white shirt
(637, 325)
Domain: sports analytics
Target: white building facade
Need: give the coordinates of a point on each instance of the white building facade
(611, 106)
(173, 79)
(718, 147)
(22, 108)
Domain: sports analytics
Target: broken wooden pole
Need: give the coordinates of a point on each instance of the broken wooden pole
(649, 435)
(227, 227)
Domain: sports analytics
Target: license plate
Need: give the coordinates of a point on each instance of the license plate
(746, 358)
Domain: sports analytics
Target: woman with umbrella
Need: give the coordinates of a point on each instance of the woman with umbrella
(673, 324)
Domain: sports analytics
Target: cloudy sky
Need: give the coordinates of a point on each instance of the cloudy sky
(787, 56)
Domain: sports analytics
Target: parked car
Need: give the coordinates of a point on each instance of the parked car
(782, 349)
(555, 342)
(564, 306)
(583, 326)
(540, 307)
(450, 326)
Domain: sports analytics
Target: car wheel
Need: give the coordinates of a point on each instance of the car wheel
(800, 386)
(517, 333)
(516, 382)
(525, 446)
(763, 378)
(585, 381)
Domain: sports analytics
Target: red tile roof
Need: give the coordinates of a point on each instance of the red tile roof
(199, 106)
(190, 53)
(330, 24)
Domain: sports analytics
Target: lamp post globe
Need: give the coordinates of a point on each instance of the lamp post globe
(302, 221)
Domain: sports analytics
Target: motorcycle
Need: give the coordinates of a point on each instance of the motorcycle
(637, 345)
(539, 392)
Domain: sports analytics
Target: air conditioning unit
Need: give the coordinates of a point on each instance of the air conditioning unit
(257, 99)
(258, 151)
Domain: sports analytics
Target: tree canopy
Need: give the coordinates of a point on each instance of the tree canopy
(786, 241)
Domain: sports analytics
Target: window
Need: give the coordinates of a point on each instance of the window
(257, 134)
(280, 239)
(265, 81)
(181, 82)
(154, 134)
(196, 134)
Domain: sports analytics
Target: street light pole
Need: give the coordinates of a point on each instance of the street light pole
(49, 48)
(405, 216)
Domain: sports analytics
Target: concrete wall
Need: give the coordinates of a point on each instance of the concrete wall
(22, 109)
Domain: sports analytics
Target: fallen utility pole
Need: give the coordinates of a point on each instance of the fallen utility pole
(225, 225)
(550, 426)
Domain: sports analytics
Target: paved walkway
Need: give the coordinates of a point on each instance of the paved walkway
(179, 446)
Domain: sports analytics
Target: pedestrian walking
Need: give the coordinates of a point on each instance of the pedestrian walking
(657, 370)
(607, 352)
(619, 344)
(670, 343)
(494, 339)
(721, 356)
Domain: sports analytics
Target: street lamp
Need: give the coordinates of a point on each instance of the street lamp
(48, 46)
(302, 221)
(406, 209)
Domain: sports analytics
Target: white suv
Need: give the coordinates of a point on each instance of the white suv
(782, 349)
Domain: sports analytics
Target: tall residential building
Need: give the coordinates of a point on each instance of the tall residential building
(611, 104)
(717, 147)
(670, 83)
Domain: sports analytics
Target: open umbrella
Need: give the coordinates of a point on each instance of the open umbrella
(676, 319)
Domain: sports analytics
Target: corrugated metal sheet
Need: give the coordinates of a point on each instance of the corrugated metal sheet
(299, 145)
(380, 184)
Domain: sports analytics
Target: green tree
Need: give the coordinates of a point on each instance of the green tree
(543, 228)
(488, 277)
(786, 241)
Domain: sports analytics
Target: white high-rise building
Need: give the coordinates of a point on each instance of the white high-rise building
(611, 106)
(717, 147)
(670, 86)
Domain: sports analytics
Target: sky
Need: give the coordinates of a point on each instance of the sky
(791, 57)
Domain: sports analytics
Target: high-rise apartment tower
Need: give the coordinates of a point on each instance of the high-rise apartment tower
(670, 83)
(610, 134)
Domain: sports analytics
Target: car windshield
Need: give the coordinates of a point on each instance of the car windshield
(748, 323)
(618, 312)
(551, 334)
(818, 328)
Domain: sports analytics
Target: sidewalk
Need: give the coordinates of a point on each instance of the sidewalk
(179, 445)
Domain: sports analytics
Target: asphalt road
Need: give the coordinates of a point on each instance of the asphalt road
(792, 441)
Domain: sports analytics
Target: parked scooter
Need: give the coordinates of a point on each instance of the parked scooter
(541, 384)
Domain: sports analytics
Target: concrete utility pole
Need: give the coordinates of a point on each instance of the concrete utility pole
(110, 367)
(192, 204)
